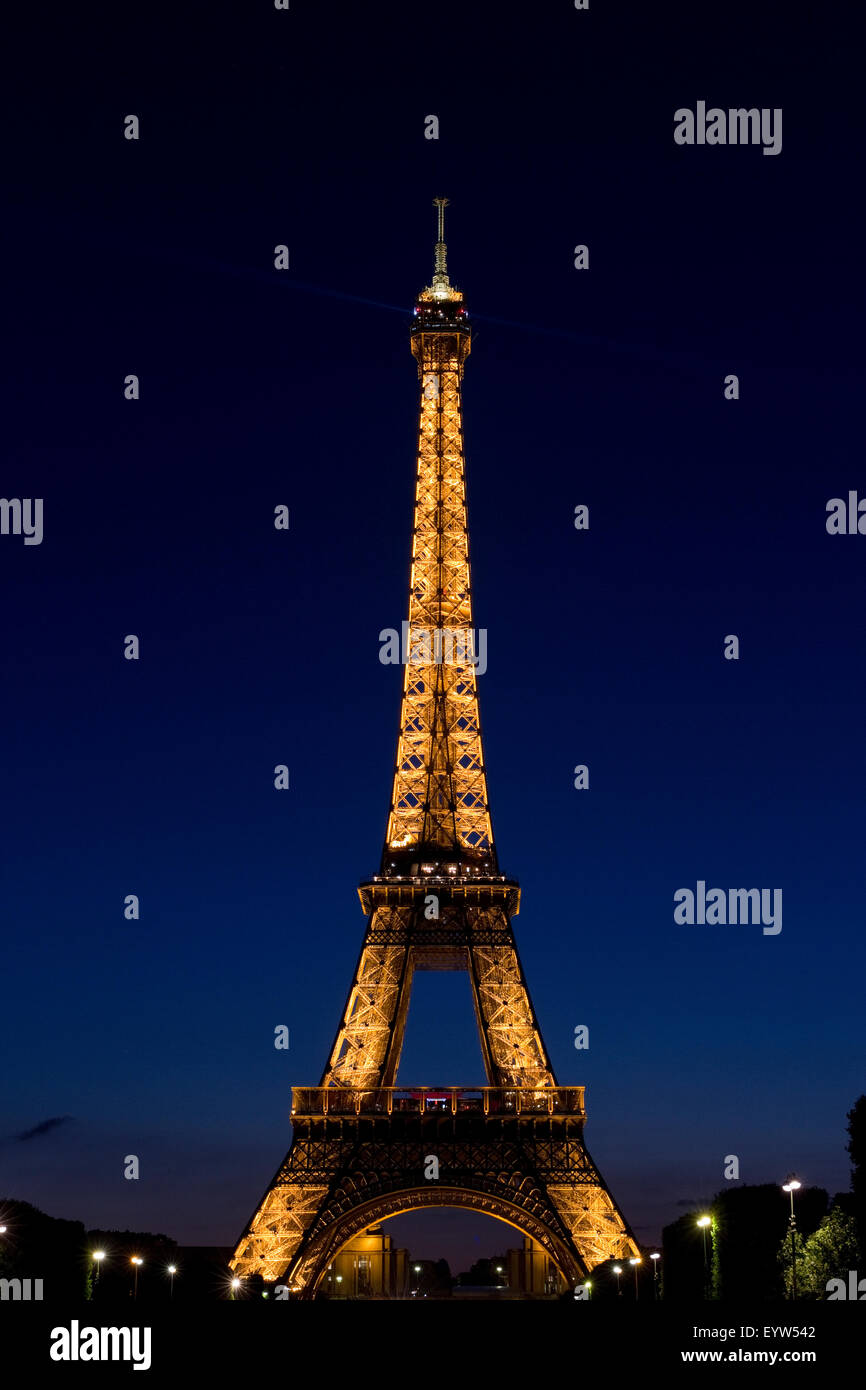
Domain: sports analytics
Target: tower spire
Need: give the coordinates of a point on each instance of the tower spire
(441, 282)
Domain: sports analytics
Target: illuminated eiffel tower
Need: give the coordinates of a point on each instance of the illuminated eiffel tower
(362, 1148)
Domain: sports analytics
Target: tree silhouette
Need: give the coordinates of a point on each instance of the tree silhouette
(828, 1254)
(856, 1147)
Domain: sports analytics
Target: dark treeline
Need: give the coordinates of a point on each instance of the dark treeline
(749, 1253)
(61, 1254)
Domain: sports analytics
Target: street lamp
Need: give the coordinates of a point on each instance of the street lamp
(635, 1261)
(137, 1261)
(617, 1271)
(791, 1186)
(172, 1271)
(97, 1256)
(236, 1283)
(655, 1257)
(704, 1222)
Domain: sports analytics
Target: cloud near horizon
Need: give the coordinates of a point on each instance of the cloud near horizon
(44, 1127)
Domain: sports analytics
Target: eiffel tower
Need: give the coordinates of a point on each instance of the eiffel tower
(364, 1149)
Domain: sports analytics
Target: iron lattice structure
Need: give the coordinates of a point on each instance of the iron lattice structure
(515, 1148)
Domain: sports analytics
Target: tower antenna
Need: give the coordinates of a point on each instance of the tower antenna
(440, 267)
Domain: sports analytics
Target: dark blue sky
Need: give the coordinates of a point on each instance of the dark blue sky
(605, 387)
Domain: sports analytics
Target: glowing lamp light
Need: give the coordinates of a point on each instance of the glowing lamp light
(705, 1221)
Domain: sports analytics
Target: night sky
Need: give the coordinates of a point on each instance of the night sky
(259, 647)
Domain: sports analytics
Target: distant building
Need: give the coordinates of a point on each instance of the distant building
(368, 1267)
(532, 1272)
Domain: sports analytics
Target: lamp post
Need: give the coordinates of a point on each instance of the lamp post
(704, 1222)
(617, 1271)
(655, 1257)
(137, 1261)
(417, 1269)
(172, 1271)
(791, 1187)
(96, 1258)
(635, 1261)
(236, 1283)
